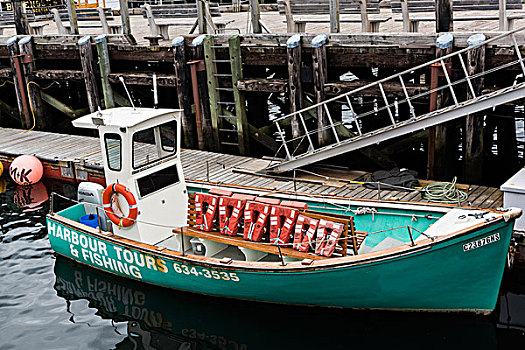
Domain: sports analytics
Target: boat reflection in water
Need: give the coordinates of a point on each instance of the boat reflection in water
(160, 318)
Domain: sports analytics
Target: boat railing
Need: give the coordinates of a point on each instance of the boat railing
(359, 114)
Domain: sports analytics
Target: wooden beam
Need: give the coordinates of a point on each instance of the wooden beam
(444, 16)
(234, 44)
(440, 164)
(72, 14)
(18, 81)
(183, 84)
(33, 90)
(86, 59)
(473, 139)
(255, 16)
(105, 69)
(503, 24)
(263, 85)
(294, 49)
(320, 71)
(20, 18)
(391, 88)
(62, 107)
(335, 23)
(126, 24)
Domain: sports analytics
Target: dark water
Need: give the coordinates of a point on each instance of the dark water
(49, 302)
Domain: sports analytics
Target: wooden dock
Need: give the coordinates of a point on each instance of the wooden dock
(78, 158)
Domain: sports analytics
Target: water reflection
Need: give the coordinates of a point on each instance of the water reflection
(30, 197)
(159, 318)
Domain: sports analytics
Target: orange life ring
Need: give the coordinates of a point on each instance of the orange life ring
(132, 203)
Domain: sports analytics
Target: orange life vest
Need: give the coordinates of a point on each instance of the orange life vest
(205, 211)
(303, 237)
(256, 218)
(230, 212)
(328, 233)
(282, 221)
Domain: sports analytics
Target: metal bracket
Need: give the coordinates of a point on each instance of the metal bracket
(25, 58)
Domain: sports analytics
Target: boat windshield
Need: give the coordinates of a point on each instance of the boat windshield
(153, 144)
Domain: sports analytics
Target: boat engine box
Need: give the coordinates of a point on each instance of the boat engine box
(514, 196)
(89, 192)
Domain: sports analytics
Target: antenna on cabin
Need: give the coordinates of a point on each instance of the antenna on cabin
(127, 92)
(155, 92)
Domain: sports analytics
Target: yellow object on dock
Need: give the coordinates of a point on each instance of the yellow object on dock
(1, 168)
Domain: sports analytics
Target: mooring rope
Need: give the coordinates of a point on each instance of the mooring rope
(444, 192)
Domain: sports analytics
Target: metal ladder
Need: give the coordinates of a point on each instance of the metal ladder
(304, 150)
(227, 103)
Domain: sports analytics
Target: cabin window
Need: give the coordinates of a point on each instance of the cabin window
(150, 145)
(157, 181)
(113, 144)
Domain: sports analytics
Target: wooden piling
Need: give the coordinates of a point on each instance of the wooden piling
(335, 24)
(213, 92)
(440, 142)
(207, 130)
(294, 49)
(473, 140)
(36, 107)
(183, 83)
(20, 18)
(243, 138)
(444, 16)
(503, 24)
(201, 17)
(255, 16)
(18, 81)
(124, 17)
(86, 58)
(105, 69)
(320, 71)
(72, 13)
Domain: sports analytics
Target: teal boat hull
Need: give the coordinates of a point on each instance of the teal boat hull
(453, 273)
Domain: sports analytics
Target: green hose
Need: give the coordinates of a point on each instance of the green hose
(444, 192)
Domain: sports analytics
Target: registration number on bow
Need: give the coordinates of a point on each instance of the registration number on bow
(481, 242)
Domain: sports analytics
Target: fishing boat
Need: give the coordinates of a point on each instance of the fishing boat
(291, 248)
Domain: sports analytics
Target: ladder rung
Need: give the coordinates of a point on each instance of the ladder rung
(227, 116)
(229, 143)
(224, 89)
(225, 103)
(217, 47)
(228, 130)
(221, 61)
(222, 75)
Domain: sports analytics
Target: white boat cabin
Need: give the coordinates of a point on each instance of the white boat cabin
(141, 151)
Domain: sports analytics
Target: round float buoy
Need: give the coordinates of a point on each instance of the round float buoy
(1, 168)
(26, 170)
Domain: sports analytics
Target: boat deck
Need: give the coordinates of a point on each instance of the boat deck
(81, 156)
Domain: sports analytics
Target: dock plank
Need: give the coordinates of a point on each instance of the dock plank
(85, 152)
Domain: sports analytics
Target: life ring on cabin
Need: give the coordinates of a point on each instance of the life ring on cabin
(130, 198)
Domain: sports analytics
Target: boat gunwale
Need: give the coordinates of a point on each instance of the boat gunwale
(275, 267)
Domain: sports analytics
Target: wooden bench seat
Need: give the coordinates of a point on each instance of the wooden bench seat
(300, 23)
(411, 23)
(161, 28)
(65, 29)
(36, 28)
(414, 21)
(238, 241)
(292, 8)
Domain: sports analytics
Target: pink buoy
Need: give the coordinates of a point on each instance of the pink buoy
(26, 170)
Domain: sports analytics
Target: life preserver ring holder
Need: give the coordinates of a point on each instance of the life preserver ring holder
(117, 188)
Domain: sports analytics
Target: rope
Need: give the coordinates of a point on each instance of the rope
(444, 192)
